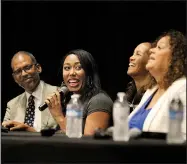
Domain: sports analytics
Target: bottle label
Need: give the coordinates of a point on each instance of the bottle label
(176, 115)
(74, 113)
(117, 111)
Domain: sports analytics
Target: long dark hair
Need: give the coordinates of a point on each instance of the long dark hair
(92, 84)
(133, 95)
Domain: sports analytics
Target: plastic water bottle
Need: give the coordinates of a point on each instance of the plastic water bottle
(74, 112)
(175, 122)
(120, 118)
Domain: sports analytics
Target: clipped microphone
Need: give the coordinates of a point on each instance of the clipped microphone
(134, 133)
(63, 91)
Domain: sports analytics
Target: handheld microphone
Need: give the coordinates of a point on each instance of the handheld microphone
(63, 91)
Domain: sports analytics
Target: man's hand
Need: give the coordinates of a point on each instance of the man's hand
(14, 125)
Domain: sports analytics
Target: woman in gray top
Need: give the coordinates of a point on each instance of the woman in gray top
(80, 75)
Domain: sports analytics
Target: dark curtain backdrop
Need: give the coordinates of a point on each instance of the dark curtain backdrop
(108, 30)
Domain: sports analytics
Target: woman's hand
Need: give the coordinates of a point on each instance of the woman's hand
(54, 104)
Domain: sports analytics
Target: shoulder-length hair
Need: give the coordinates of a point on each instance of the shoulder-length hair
(178, 59)
(92, 84)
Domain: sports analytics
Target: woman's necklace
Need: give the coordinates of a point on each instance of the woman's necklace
(132, 106)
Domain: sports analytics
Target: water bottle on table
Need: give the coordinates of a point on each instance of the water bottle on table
(175, 122)
(74, 113)
(120, 117)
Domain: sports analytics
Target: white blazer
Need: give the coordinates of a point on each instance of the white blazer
(158, 118)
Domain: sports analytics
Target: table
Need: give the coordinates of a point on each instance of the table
(28, 147)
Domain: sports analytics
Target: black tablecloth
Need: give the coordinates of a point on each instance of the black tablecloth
(29, 147)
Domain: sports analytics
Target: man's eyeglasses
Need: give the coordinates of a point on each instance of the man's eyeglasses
(27, 69)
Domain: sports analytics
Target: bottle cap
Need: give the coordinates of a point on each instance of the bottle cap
(121, 94)
(176, 104)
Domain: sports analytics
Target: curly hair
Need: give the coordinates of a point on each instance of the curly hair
(178, 62)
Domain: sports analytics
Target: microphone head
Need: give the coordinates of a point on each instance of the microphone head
(64, 90)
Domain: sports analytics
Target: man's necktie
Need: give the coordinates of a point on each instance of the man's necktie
(30, 112)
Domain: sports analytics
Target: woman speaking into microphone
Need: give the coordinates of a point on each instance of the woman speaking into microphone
(80, 76)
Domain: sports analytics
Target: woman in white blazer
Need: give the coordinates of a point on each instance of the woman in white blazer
(166, 64)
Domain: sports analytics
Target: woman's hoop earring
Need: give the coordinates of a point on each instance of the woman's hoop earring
(62, 84)
(89, 82)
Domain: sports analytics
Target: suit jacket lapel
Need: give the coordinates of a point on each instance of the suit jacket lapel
(21, 108)
(46, 115)
(154, 111)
